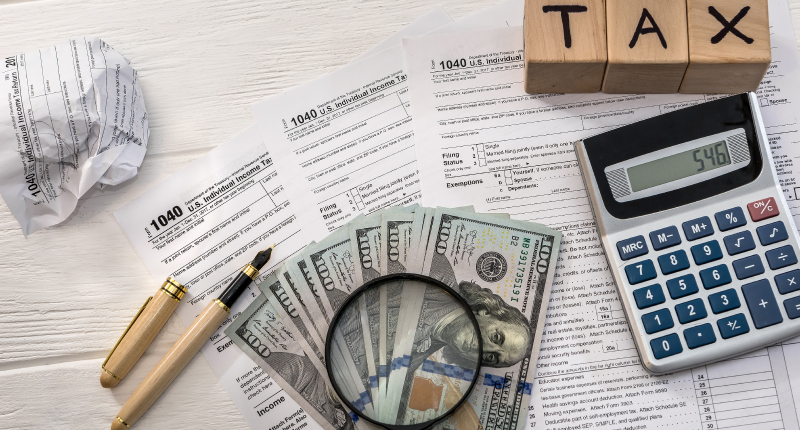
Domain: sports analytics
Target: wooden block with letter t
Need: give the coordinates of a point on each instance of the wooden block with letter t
(729, 47)
(648, 47)
(565, 46)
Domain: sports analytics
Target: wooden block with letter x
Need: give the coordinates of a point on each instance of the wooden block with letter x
(565, 46)
(648, 47)
(729, 47)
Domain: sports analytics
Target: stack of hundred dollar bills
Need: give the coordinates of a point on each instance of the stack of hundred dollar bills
(503, 268)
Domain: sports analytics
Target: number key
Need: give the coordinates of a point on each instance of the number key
(649, 296)
(715, 276)
(666, 346)
(640, 272)
(657, 321)
(673, 262)
(691, 311)
(682, 287)
(724, 301)
(706, 252)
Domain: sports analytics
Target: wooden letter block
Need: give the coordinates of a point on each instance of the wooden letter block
(729, 48)
(565, 46)
(647, 46)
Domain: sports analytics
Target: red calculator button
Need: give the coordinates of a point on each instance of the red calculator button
(763, 209)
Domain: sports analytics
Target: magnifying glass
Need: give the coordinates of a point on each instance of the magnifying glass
(417, 367)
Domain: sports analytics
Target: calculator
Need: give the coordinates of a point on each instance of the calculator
(696, 231)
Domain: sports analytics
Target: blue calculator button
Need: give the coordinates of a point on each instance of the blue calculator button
(649, 296)
(640, 272)
(733, 325)
(772, 233)
(697, 228)
(715, 276)
(657, 321)
(665, 237)
(788, 282)
(792, 307)
(739, 242)
(682, 287)
(665, 346)
(781, 257)
(763, 307)
(730, 218)
(699, 336)
(748, 266)
(691, 311)
(706, 252)
(632, 248)
(724, 301)
(673, 262)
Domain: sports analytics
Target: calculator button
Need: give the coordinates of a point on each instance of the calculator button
(748, 267)
(640, 272)
(673, 262)
(657, 321)
(763, 209)
(666, 346)
(649, 296)
(763, 307)
(781, 257)
(682, 287)
(632, 248)
(706, 252)
(733, 325)
(697, 228)
(788, 282)
(724, 301)
(730, 219)
(772, 233)
(665, 238)
(715, 276)
(792, 307)
(691, 311)
(739, 242)
(699, 336)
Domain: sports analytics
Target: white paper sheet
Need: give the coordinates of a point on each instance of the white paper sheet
(481, 140)
(76, 118)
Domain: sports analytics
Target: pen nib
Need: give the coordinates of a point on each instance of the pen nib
(262, 258)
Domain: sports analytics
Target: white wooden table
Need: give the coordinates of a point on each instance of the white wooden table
(67, 293)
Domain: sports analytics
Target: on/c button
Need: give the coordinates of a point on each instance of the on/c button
(631, 248)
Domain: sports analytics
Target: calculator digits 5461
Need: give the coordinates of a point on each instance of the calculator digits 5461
(697, 233)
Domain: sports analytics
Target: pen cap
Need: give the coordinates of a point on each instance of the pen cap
(141, 331)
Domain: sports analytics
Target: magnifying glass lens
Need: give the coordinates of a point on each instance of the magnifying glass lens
(417, 365)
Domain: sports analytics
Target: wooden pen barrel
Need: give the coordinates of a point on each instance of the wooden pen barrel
(171, 365)
(141, 333)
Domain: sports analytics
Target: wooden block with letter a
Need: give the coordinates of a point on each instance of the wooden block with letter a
(729, 47)
(647, 46)
(565, 46)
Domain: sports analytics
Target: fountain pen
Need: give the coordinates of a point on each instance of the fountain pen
(187, 346)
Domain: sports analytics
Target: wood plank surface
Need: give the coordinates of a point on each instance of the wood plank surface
(69, 291)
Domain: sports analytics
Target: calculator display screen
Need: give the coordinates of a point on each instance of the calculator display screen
(679, 166)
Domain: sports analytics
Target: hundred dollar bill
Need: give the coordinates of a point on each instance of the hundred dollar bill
(310, 291)
(503, 269)
(261, 335)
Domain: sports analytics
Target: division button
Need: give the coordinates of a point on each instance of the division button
(682, 287)
(691, 311)
(665, 346)
(781, 257)
(730, 219)
(772, 233)
(748, 267)
(788, 282)
(733, 325)
(699, 336)
(715, 276)
(739, 242)
(665, 237)
(763, 209)
(706, 252)
(792, 307)
(640, 272)
(632, 248)
(763, 307)
(724, 301)
(697, 228)
(657, 321)
(649, 296)
(673, 262)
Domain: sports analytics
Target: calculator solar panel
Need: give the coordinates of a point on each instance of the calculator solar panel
(697, 233)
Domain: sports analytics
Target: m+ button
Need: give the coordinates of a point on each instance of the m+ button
(697, 228)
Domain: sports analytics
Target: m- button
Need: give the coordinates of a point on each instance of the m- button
(631, 248)
(697, 228)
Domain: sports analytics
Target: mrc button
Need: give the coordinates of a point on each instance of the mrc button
(631, 248)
